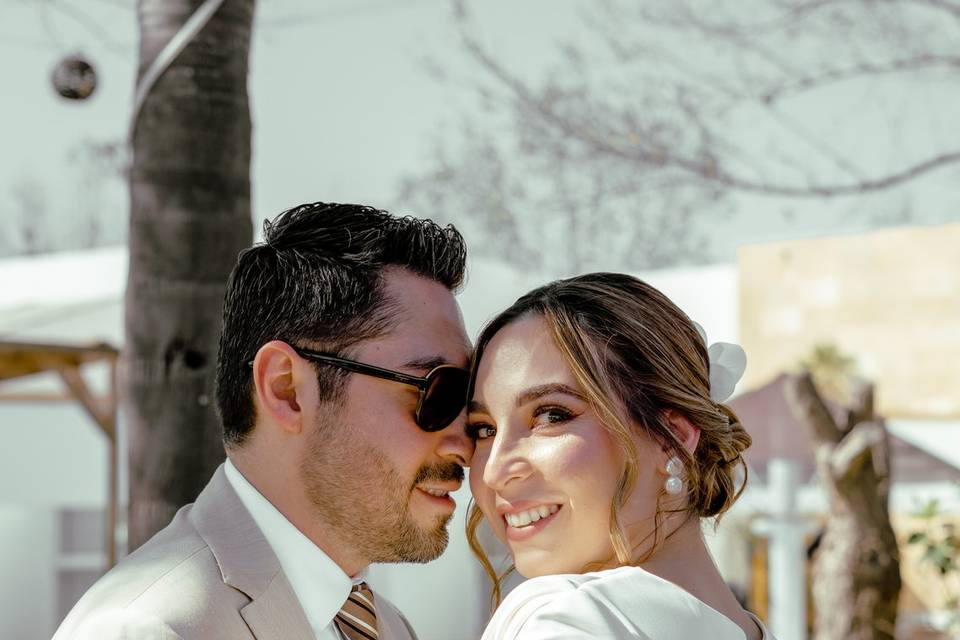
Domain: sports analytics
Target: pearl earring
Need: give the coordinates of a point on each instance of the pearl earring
(674, 483)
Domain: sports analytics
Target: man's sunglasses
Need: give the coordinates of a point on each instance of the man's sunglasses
(443, 391)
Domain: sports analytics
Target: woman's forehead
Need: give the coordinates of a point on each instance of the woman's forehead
(522, 354)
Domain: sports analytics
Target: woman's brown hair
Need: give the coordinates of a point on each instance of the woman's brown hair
(637, 356)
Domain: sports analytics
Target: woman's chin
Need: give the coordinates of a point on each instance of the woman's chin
(534, 565)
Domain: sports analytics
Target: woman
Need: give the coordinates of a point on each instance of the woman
(598, 452)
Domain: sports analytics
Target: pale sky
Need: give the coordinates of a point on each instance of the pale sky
(343, 106)
(342, 103)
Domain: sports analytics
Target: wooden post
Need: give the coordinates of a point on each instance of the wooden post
(104, 414)
(18, 359)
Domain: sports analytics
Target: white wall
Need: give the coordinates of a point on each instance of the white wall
(53, 455)
(28, 589)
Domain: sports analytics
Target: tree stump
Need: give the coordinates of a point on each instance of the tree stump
(856, 571)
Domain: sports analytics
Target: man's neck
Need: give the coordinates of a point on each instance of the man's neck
(286, 495)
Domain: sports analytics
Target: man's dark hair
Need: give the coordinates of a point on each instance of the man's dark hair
(317, 280)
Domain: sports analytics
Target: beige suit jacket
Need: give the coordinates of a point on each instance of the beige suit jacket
(209, 574)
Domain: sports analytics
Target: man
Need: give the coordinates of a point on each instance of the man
(340, 384)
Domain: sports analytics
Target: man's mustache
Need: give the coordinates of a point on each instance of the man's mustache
(442, 472)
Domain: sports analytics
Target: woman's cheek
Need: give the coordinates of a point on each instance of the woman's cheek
(564, 457)
(482, 494)
(477, 464)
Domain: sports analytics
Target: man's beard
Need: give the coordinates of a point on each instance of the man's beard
(364, 502)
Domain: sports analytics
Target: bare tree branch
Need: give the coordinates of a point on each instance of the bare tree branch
(805, 400)
(856, 449)
(913, 63)
(653, 118)
(805, 9)
(705, 168)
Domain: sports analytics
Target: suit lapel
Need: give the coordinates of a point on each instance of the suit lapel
(276, 614)
(248, 563)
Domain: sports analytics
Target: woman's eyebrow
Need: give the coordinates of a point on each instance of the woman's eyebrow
(476, 407)
(531, 394)
(534, 393)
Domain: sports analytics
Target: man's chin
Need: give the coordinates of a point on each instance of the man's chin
(428, 518)
(420, 542)
(434, 541)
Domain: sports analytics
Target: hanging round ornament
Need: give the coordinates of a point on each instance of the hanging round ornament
(74, 78)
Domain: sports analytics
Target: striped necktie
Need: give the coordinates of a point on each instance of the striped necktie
(357, 618)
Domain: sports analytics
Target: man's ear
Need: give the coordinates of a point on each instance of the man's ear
(687, 433)
(276, 375)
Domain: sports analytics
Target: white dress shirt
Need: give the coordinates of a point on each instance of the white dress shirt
(626, 602)
(319, 583)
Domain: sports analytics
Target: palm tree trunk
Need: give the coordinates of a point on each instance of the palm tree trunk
(189, 217)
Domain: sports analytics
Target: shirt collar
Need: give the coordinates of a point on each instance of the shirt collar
(319, 583)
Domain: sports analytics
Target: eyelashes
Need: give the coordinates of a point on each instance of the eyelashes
(552, 414)
(480, 431)
(544, 416)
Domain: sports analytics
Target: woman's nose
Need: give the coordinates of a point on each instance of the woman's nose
(505, 463)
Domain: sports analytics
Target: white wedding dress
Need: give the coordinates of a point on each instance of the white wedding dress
(627, 602)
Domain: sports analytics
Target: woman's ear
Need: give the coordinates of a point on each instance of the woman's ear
(275, 378)
(687, 434)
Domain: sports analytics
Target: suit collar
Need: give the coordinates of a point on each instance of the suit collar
(319, 583)
(244, 556)
(247, 562)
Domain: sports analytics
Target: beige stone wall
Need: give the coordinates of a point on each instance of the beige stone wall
(890, 298)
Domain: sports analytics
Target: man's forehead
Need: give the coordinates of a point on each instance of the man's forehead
(413, 346)
(423, 350)
(427, 328)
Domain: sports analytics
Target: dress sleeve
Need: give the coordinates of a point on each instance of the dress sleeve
(555, 608)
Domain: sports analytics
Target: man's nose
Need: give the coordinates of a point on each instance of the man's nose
(455, 444)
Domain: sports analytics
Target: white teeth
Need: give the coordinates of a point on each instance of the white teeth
(435, 492)
(523, 518)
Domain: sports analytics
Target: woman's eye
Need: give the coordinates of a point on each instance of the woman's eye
(479, 431)
(545, 416)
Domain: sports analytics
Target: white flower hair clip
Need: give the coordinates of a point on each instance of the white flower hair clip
(728, 361)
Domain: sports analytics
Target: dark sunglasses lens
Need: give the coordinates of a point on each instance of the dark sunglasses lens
(444, 399)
